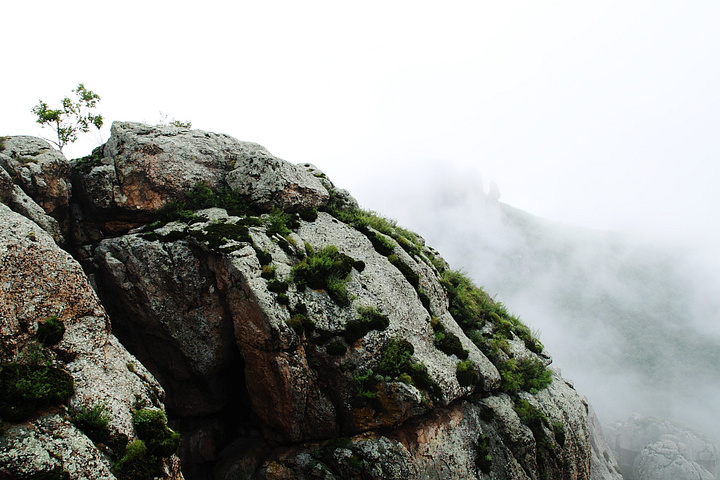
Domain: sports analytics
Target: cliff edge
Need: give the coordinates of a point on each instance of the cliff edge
(283, 331)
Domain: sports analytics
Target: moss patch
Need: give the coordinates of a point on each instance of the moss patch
(26, 389)
(51, 331)
(370, 318)
(328, 270)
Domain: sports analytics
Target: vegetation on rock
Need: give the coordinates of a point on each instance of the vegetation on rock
(26, 389)
(51, 331)
(328, 270)
(142, 459)
(93, 421)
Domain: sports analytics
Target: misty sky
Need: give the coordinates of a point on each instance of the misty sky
(602, 114)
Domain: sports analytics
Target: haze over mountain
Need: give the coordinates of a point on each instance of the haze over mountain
(633, 322)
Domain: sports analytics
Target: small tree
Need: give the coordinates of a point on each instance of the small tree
(74, 116)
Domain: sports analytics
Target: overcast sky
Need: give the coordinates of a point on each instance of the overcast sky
(603, 114)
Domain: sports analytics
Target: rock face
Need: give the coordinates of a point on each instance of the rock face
(296, 336)
(35, 181)
(653, 449)
(39, 282)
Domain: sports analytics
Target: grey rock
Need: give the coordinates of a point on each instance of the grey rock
(666, 459)
(273, 183)
(640, 443)
(40, 170)
(21, 203)
(603, 464)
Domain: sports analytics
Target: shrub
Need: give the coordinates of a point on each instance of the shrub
(365, 384)
(296, 322)
(51, 331)
(219, 233)
(268, 271)
(25, 389)
(483, 458)
(309, 215)
(151, 427)
(396, 357)
(93, 421)
(383, 245)
(528, 374)
(264, 257)
(336, 348)
(277, 222)
(200, 197)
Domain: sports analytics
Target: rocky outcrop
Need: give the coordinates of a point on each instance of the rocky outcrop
(42, 285)
(603, 465)
(35, 182)
(296, 335)
(648, 448)
(142, 168)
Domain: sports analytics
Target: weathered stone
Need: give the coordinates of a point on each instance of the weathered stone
(6, 186)
(21, 203)
(464, 440)
(603, 465)
(270, 182)
(167, 290)
(39, 280)
(154, 164)
(41, 171)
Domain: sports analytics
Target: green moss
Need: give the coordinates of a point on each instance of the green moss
(370, 318)
(136, 464)
(51, 331)
(93, 422)
(25, 389)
